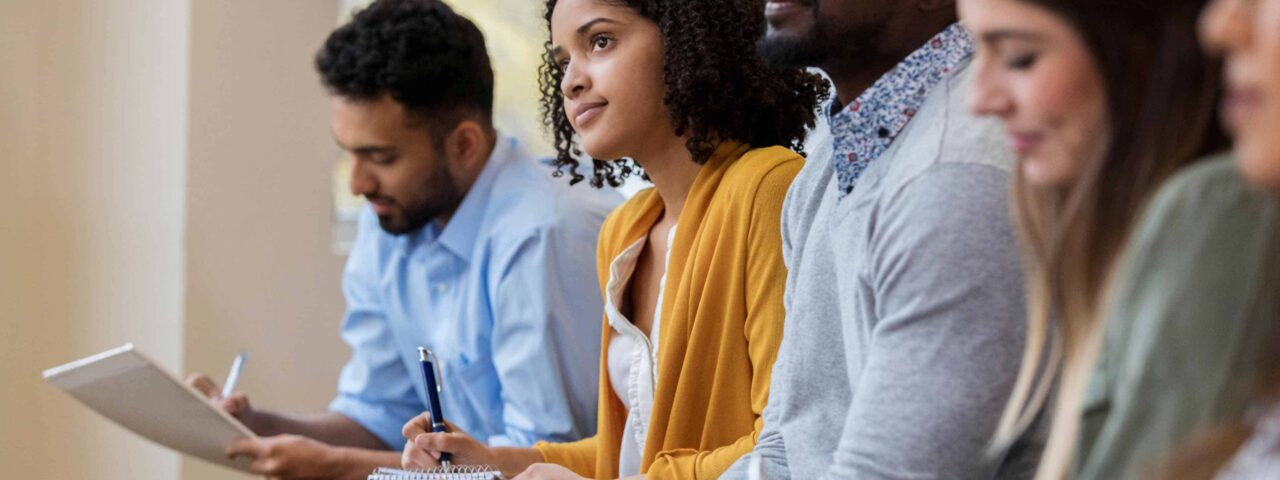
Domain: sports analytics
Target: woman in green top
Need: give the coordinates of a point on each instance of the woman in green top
(1201, 352)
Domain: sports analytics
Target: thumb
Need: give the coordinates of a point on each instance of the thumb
(418, 425)
(205, 385)
(236, 405)
(251, 447)
(452, 442)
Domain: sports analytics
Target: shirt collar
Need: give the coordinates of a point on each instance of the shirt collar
(866, 127)
(460, 234)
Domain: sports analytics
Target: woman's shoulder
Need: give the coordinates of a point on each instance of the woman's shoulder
(762, 171)
(1205, 211)
(1194, 262)
(767, 159)
(1210, 186)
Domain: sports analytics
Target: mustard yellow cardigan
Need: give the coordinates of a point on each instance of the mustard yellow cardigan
(721, 320)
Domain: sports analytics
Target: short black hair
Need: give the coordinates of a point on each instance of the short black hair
(420, 52)
(718, 87)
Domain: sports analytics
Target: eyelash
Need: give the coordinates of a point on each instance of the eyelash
(1022, 62)
(563, 64)
(595, 42)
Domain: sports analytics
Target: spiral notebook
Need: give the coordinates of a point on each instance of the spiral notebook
(456, 472)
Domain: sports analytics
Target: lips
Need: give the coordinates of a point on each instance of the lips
(1022, 143)
(778, 9)
(1239, 104)
(381, 206)
(584, 113)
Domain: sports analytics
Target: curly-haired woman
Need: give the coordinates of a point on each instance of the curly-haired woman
(692, 270)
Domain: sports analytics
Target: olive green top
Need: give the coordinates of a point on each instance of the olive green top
(1194, 300)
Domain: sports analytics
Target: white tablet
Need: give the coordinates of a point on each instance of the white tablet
(128, 388)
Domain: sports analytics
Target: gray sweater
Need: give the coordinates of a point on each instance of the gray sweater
(905, 312)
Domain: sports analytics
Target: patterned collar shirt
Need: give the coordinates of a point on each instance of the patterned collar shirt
(863, 130)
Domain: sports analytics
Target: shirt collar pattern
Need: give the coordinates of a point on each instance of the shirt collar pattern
(864, 129)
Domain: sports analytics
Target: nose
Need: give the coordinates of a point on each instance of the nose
(989, 97)
(575, 81)
(1224, 25)
(362, 180)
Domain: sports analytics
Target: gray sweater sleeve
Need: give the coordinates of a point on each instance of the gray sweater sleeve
(931, 376)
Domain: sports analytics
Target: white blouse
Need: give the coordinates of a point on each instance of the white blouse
(633, 357)
(1259, 457)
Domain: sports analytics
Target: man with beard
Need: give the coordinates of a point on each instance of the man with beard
(469, 248)
(905, 297)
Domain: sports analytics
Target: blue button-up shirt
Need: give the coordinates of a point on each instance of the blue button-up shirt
(505, 295)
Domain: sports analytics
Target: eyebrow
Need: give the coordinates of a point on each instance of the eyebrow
(365, 149)
(996, 36)
(369, 150)
(555, 51)
(587, 26)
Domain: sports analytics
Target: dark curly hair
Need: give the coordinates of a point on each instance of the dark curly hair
(717, 85)
(422, 53)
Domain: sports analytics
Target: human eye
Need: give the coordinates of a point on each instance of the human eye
(382, 159)
(601, 42)
(1018, 57)
(1022, 61)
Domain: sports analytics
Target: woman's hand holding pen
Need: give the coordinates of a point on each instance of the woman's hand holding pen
(424, 447)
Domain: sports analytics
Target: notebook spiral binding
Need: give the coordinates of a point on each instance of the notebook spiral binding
(456, 472)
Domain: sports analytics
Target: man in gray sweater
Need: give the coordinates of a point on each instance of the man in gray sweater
(905, 316)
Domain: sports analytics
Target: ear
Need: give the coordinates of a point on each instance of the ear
(467, 146)
(935, 5)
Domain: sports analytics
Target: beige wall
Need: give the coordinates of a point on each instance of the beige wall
(260, 274)
(514, 34)
(92, 173)
(165, 179)
(116, 223)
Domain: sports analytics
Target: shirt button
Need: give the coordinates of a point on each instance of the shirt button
(441, 287)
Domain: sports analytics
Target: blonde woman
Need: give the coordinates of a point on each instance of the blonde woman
(1102, 102)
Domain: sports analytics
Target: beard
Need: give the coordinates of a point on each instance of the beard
(826, 41)
(410, 219)
(440, 196)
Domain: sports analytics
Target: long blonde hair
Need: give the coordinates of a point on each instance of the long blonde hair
(1161, 91)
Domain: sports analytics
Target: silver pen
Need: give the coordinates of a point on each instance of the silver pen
(233, 377)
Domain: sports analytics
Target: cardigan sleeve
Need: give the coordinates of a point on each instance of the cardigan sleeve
(762, 327)
(579, 456)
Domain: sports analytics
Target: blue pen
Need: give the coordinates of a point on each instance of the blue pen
(433, 398)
